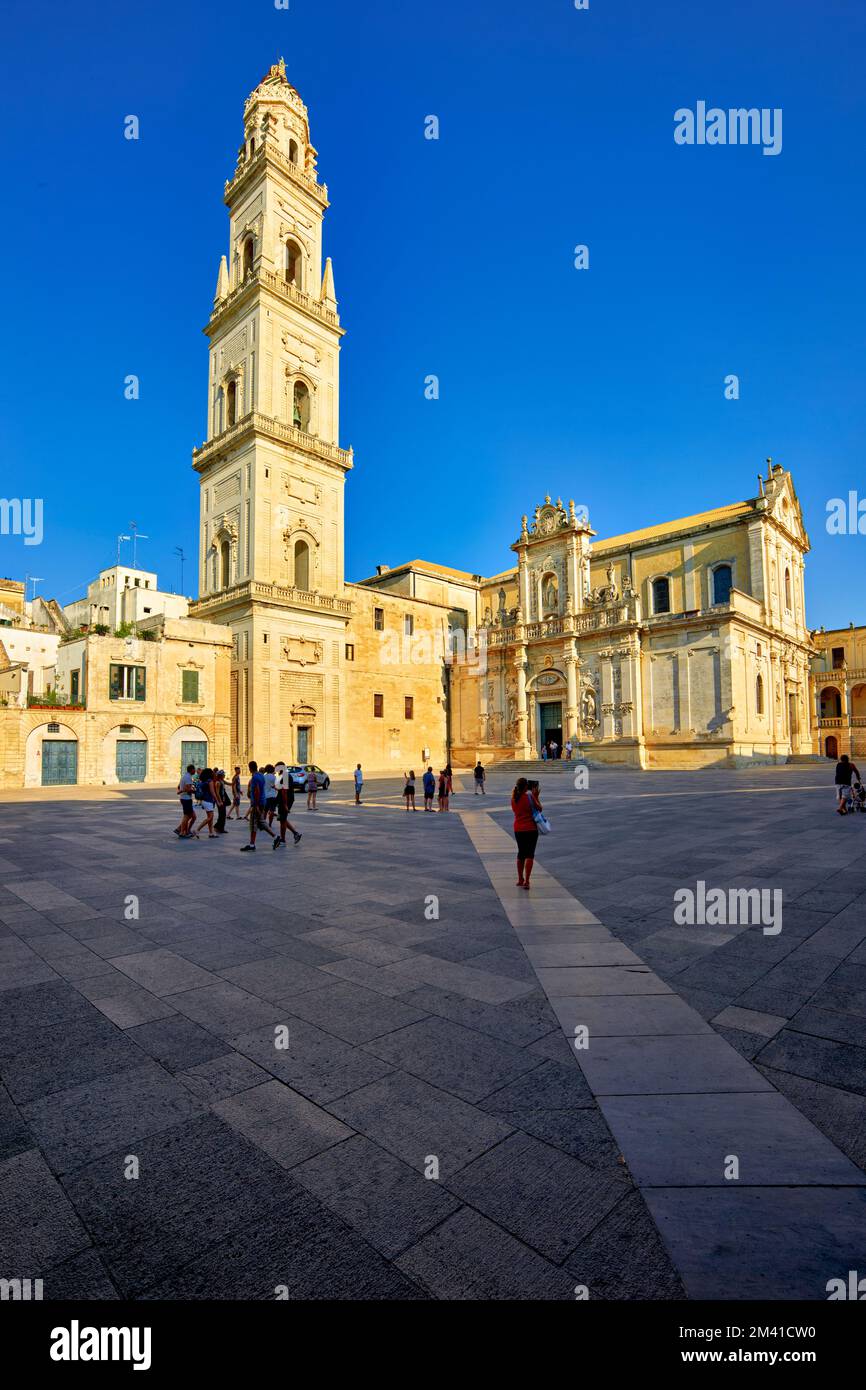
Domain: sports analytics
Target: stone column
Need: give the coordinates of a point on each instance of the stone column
(631, 721)
(574, 581)
(532, 724)
(607, 724)
(571, 706)
(520, 669)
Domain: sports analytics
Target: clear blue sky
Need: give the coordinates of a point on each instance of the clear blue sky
(452, 257)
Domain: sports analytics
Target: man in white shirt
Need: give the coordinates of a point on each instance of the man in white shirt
(359, 782)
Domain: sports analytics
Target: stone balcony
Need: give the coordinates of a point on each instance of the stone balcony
(254, 589)
(268, 152)
(256, 423)
(278, 285)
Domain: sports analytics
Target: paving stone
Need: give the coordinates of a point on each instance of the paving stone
(455, 1058)
(224, 1076)
(350, 1012)
(650, 1065)
(226, 1010)
(596, 980)
(286, 1125)
(520, 1021)
(412, 1119)
(546, 1198)
(163, 972)
(750, 1021)
(78, 1124)
(177, 1043)
(370, 976)
(469, 1257)
(625, 1258)
(549, 1085)
(81, 1279)
(760, 1243)
(628, 1015)
(276, 978)
(822, 1059)
(38, 1226)
(483, 985)
(839, 1114)
(67, 1054)
(315, 1063)
(134, 1006)
(390, 1204)
(686, 1140)
(581, 953)
(15, 1136)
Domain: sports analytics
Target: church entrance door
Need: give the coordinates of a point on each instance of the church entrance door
(550, 725)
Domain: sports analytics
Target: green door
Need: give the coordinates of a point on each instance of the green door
(131, 759)
(195, 753)
(59, 762)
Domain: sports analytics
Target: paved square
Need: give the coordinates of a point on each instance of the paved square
(371, 1067)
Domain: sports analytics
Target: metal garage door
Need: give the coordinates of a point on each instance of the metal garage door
(195, 753)
(131, 759)
(59, 762)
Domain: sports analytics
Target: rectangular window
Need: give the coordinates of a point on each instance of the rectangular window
(127, 682)
(379, 619)
(838, 658)
(75, 682)
(378, 706)
(408, 625)
(350, 651)
(408, 707)
(190, 687)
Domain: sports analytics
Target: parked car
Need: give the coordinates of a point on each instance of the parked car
(300, 775)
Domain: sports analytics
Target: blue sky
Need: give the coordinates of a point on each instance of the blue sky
(452, 257)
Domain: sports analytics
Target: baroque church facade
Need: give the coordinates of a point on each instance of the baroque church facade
(681, 644)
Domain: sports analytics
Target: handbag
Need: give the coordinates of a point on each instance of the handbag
(541, 821)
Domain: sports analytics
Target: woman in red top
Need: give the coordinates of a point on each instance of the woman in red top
(524, 802)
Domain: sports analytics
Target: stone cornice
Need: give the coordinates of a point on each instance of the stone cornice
(266, 153)
(281, 595)
(256, 424)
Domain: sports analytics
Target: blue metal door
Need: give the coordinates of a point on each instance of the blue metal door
(131, 760)
(59, 762)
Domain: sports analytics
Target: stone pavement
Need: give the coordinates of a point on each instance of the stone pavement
(430, 1131)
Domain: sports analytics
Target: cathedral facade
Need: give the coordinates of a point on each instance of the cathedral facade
(682, 644)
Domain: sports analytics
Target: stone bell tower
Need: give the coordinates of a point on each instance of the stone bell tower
(271, 470)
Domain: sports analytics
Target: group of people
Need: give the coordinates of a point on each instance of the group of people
(551, 749)
(429, 786)
(271, 795)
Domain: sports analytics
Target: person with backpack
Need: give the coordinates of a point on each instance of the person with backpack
(257, 808)
(185, 791)
(208, 794)
(429, 781)
(285, 797)
(525, 803)
(846, 772)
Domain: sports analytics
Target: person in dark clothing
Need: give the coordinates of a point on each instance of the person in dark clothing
(223, 801)
(846, 773)
(285, 798)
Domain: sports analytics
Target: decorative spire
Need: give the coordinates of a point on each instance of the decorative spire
(329, 298)
(222, 288)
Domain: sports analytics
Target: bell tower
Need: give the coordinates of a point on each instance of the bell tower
(271, 470)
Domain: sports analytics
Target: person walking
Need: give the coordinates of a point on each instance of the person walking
(846, 773)
(429, 782)
(208, 801)
(236, 794)
(480, 777)
(257, 807)
(270, 792)
(187, 810)
(568, 746)
(359, 782)
(544, 752)
(223, 801)
(409, 791)
(524, 804)
(312, 788)
(450, 775)
(285, 791)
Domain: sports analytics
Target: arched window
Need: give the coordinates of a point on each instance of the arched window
(301, 406)
(293, 151)
(723, 579)
(759, 694)
(302, 565)
(248, 257)
(661, 590)
(231, 404)
(225, 564)
(788, 590)
(293, 264)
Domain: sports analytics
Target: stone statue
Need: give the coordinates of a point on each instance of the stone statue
(550, 595)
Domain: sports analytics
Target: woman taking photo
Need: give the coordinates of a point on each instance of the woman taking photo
(524, 804)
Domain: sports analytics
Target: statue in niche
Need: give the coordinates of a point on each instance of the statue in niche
(550, 595)
(589, 708)
(501, 614)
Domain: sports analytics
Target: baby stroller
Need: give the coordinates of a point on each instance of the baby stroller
(858, 797)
